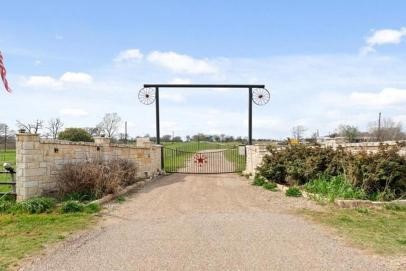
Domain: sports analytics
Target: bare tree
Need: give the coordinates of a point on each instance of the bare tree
(54, 127)
(31, 128)
(388, 130)
(93, 131)
(348, 131)
(3, 128)
(110, 124)
(298, 131)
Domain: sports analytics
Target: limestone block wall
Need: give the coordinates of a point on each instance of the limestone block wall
(255, 153)
(371, 147)
(38, 160)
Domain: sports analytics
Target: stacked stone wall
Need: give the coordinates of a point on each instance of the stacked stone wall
(39, 160)
(255, 153)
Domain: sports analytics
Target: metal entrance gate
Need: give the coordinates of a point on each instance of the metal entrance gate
(209, 161)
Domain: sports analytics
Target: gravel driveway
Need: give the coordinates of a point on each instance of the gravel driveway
(206, 222)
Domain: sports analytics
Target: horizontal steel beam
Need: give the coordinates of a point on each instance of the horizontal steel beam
(201, 86)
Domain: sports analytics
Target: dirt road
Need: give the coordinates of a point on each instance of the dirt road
(206, 222)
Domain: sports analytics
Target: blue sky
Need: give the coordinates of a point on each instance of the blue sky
(325, 63)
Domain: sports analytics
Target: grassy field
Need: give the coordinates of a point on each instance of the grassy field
(24, 234)
(8, 156)
(381, 230)
(234, 156)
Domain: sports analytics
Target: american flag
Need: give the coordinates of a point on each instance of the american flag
(3, 73)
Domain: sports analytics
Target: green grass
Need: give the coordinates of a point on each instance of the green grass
(194, 146)
(334, 187)
(24, 234)
(8, 156)
(381, 230)
(120, 199)
(258, 181)
(293, 192)
(270, 186)
(234, 156)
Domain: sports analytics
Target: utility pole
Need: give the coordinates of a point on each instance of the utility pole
(125, 133)
(5, 138)
(379, 126)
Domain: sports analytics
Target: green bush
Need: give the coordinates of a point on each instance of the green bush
(92, 208)
(270, 186)
(334, 187)
(5, 205)
(293, 192)
(75, 134)
(79, 196)
(258, 180)
(72, 206)
(382, 175)
(36, 205)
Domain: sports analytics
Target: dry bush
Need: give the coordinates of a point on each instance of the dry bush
(95, 179)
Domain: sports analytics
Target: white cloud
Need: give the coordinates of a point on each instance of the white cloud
(42, 81)
(173, 97)
(355, 90)
(181, 63)
(76, 77)
(73, 112)
(45, 81)
(129, 55)
(387, 97)
(180, 81)
(382, 37)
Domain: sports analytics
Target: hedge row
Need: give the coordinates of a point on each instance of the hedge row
(382, 175)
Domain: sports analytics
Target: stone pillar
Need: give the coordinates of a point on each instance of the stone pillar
(103, 141)
(30, 170)
(143, 142)
(255, 154)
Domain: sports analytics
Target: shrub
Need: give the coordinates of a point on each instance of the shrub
(72, 206)
(293, 192)
(5, 205)
(75, 134)
(36, 205)
(270, 186)
(92, 208)
(95, 179)
(120, 199)
(334, 187)
(382, 175)
(258, 180)
(82, 197)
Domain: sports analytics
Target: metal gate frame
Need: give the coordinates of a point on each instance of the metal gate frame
(214, 161)
(257, 94)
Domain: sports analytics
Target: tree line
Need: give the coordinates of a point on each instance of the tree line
(381, 130)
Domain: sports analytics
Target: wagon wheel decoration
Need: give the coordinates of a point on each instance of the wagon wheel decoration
(200, 159)
(146, 96)
(260, 96)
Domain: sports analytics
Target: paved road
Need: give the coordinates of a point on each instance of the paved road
(206, 222)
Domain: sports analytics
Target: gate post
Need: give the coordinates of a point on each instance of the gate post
(250, 116)
(158, 132)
